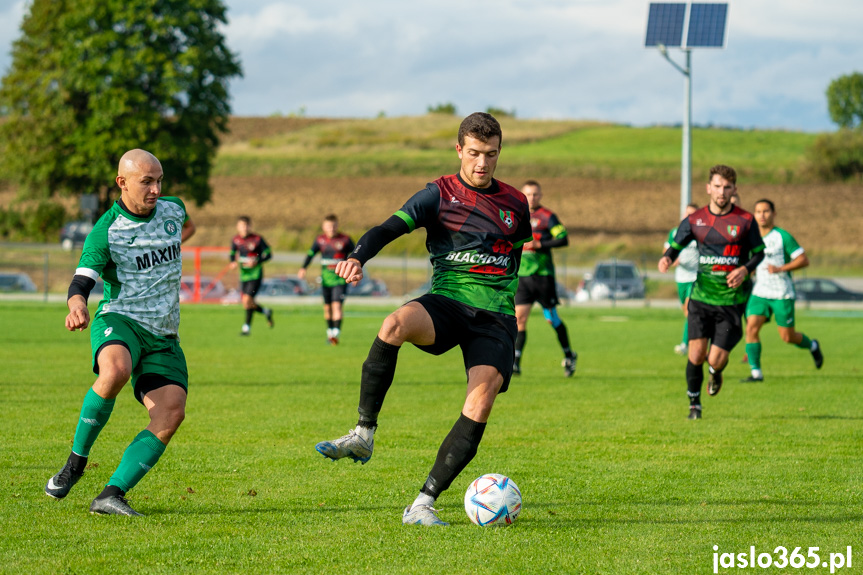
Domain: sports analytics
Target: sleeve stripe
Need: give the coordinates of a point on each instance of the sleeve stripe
(407, 219)
(676, 246)
(520, 243)
(558, 231)
(797, 253)
(87, 272)
(758, 249)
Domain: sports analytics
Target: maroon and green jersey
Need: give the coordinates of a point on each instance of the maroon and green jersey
(546, 227)
(251, 251)
(474, 238)
(333, 250)
(724, 243)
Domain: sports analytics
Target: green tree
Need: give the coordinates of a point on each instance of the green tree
(91, 79)
(845, 100)
(447, 108)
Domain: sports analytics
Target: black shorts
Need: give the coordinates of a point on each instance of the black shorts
(537, 288)
(334, 293)
(485, 337)
(251, 287)
(721, 324)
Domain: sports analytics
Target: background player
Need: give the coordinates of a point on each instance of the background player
(253, 251)
(726, 236)
(334, 247)
(536, 279)
(685, 271)
(135, 248)
(475, 228)
(773, 292)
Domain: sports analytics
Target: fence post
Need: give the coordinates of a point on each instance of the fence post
(46, 273)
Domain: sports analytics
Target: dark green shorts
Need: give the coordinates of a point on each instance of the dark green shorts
(151, 354)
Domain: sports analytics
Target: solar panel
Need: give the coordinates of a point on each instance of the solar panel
(665, 24)
(707, 26)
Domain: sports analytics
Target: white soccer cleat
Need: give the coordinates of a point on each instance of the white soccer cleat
(681, 349)
(350, 445)
(425, 515)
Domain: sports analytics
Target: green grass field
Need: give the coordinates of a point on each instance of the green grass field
(615, 478)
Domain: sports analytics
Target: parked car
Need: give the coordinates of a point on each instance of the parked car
(822, 289)
(73, 234)
(619, 279)
(16, 281)
(283, 286)
(212, 290)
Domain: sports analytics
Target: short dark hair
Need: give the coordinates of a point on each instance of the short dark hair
(693, 205)
(768, 202)
(533, 183)
(481, 126)
(245, 219)
(331, 218)
(726, 172)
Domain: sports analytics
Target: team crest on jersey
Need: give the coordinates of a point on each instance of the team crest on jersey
(171, 227)
(506, 218)
(732, 231)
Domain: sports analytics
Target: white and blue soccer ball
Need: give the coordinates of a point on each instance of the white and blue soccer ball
(492, 499)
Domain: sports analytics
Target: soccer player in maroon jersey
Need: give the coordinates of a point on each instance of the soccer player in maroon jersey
(334, 247)
(475, 228)
(729, 250)
(248, 252)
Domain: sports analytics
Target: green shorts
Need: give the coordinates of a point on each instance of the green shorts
(151, 354)
(782, 308)
(684, 290)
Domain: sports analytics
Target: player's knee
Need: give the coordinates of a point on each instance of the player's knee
(787, 336)
(170, 417)
(115, 371)
(393, 330)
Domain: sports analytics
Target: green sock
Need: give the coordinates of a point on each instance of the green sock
(805, 343)
(753, 352)
(94, 415)
(685, 332)
(139, 457)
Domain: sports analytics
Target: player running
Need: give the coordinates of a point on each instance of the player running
(536, 280)
(135, 248)
(253, 251)
(773, 292)
(475, 228)
(334, 247)
(726, 236)
(685, 271)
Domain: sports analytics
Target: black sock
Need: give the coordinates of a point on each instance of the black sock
(520, 340)
(78, 463)
(110, 491)
(457, 450)
(259, 309)
(330, 324)
(694, 379)
(249, 313)
(337, 323)
(378, 372)
(563, 338)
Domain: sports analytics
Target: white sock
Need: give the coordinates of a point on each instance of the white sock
(423, 499)
(329, 332)
(813, 346)
(246, 328)
(367, 433)
(336, 332)
(756, 373)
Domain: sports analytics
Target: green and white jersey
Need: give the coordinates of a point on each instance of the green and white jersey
(139, 259)
(687, 262)
(780, 248)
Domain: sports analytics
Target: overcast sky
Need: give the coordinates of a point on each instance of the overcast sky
(576, 59)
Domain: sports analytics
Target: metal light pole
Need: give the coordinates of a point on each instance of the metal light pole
(686, 149)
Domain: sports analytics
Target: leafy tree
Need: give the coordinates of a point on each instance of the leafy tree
(91, 79)
(500, 112)
(447, 108)
(845, 100)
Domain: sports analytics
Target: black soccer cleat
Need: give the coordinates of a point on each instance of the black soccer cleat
(516, 369)
(269, 315)
(694, 412)
(569, 365)
(715, 383)
(61, 484)
(751, 379)
(817, 355)
(113, 505)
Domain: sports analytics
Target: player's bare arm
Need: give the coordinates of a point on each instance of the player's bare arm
(79, 316)
(350, 270)
(797, 263)
(188, 230)
(664, 263)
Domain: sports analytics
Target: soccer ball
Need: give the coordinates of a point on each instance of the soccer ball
(492, 499)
